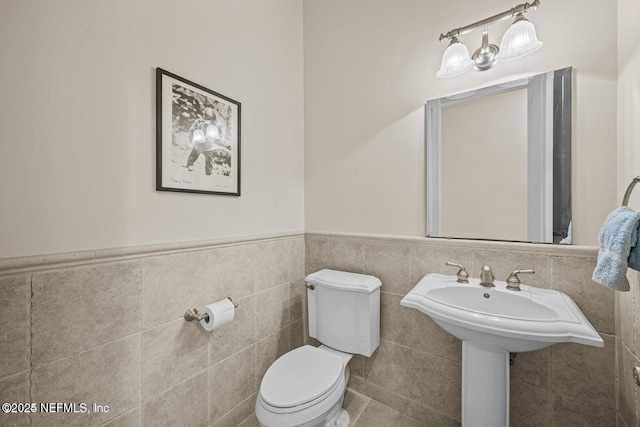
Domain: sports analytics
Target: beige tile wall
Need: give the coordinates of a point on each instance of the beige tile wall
(417, 368)
(628, 352)
(111, 331)
(152, 368)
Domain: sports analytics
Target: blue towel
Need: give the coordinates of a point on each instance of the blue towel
(618, 249)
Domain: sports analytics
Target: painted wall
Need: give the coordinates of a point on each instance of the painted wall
(628, 303)
(628, 97)
(77, 119)
(369, 68)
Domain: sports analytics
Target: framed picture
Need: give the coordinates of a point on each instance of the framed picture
(197, 138)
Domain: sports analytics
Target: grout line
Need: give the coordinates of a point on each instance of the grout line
(235, 354)
(551, 356)
(404, 398)
(401, 414)
(158, 396)
(252, 396)
(549, 260)
(421, 351)
(255, 368)
(209, 402)
(364, 397)
(85, 350)
(617, 355)
(140, 400)
(361, 412)
(624, 423)
(625, 346)
(139, 407)
(15, 374)
(255, 372)
(412, 259)
(140, 332)
(210, 287)
(550, 280)
(30, 350)
(636, 345)
(474, 255)
(634, 318)
(550, 408)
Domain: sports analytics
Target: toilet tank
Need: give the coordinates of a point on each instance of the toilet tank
(344, 310)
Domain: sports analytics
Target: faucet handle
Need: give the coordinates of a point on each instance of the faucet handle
(513, 281)
(463, 276)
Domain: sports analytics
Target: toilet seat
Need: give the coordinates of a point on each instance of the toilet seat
(301, 378)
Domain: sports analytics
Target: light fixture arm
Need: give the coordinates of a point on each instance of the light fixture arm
(514, 11)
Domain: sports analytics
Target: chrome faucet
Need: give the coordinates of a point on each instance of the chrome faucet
(487, 277)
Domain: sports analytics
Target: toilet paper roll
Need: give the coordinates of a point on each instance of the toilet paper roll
(219, 313)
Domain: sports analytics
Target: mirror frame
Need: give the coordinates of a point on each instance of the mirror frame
(544, 143)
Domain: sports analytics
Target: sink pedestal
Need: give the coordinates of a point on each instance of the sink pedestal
(485, 386)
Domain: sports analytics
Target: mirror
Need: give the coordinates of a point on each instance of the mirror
(499, 161)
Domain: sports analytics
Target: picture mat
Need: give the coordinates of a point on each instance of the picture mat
(174, 173)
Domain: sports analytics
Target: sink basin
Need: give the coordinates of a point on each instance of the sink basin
(493, 322)
(503, 304)
(527, 320)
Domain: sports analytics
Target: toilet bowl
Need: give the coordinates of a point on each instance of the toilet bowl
(305, 387)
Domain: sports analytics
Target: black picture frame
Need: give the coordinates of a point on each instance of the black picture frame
(197, 138)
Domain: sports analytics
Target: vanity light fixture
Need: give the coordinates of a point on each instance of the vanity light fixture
(519, 40)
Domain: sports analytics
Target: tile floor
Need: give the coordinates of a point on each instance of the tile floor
(363, 412)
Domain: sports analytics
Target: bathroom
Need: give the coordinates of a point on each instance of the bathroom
(97, 268)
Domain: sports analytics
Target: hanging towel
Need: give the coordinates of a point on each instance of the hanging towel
(634, 255)
(618, 249)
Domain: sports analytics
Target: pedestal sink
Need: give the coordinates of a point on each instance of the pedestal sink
(493, 322)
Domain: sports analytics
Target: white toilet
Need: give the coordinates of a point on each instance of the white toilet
(305, 387)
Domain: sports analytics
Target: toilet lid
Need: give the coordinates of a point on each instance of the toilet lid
(300, 376)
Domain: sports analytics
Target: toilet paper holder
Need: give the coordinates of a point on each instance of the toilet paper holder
(192, 313)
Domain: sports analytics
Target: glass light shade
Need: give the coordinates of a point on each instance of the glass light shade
(455, 61)
(213, 132)
(519, 40)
